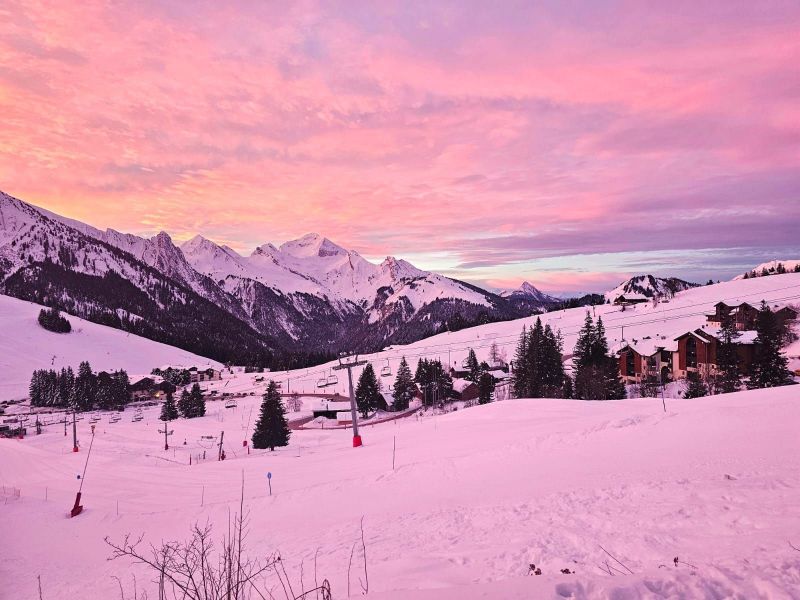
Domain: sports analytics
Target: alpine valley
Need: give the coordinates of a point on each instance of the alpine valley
(268, 308)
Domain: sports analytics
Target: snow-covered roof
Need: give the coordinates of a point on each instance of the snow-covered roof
(138, 377)
(317, 404)
(499, 374)
(459, 385)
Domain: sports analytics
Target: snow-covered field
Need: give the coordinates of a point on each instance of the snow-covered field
(25, 347)
(476, 497)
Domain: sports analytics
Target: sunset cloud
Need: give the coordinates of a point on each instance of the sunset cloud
(475, 139)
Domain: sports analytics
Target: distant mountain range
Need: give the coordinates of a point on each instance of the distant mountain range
(308, 295)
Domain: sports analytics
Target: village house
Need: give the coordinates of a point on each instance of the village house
(204, 373)
(648, 358)
(697, 351)
(145, 387)
(630, 298)
(744, 315)
(464, 389)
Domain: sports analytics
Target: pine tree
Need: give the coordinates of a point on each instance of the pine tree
(404, 387)
(485, 387)
(520, 380)
(85, 388)
(185, 404)
(169, 412)
(769, 367)
(271, 429)
(581, 354)
(696, 388)
(104, 396)
(596, 373)
(534, 358)
(368, 396)
(728, 376)
(473, 367)
(197, 403)
(614, 388)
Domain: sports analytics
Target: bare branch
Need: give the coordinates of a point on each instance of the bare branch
(615, 558)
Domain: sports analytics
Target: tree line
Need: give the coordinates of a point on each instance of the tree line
(539, 367)
(81, 392)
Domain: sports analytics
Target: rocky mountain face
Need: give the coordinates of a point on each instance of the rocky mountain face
(308, 295)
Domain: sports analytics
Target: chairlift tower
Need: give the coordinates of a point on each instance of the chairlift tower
(166, 433)
(349, 361)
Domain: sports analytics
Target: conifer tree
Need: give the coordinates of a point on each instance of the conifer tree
(404, 387)
(197, 402)
(271, 429)
(85, 388)
(596, 373)
(695, 388)
(185, 404)
(728, 376)
(368, 396)
(169, 412)
(614, 388)
(473, 367)
(485, 387)
(534, 358)
(769, 367)
(520, 380)
(104, 396)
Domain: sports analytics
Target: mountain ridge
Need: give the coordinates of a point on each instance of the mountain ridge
(309, 293)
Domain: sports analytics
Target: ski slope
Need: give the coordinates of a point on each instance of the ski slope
(475, 497)
(26, 346)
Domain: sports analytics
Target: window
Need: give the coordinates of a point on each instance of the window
(629, 364)
(691, 352)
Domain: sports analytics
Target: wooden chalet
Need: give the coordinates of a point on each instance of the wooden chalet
(649, 358)
(697, 351)
(744, 315)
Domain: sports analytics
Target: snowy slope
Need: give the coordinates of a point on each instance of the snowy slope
(771, 267)
(475, 498)
(25, 346)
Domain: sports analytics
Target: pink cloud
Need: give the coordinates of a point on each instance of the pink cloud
(407, 128)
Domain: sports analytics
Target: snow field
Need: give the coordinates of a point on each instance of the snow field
(476, 496)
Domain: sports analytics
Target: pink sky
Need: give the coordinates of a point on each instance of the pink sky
(566, 143)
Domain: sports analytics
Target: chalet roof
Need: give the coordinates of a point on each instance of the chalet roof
(499, 374)
(649, 347)
(459, 385)
(712, 335)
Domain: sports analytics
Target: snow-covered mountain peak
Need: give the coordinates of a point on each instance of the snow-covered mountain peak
(529, 291)
(311, 245)
(649, 286)
(200, 245)
(400, 269)
(267, 249)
